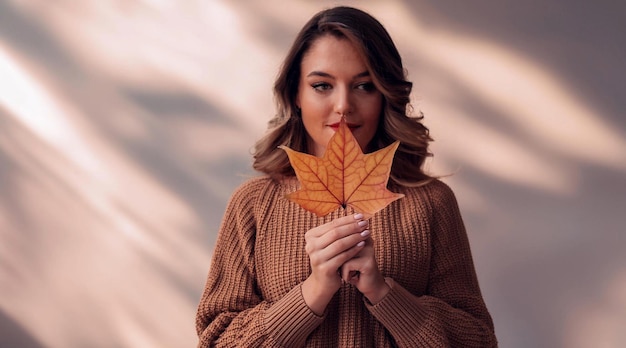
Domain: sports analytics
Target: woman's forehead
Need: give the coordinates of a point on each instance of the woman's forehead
(331, 53)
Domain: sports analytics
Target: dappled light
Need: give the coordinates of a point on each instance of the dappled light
(125, 127)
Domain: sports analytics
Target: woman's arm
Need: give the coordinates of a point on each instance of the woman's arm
(232, 312)
(452, 313)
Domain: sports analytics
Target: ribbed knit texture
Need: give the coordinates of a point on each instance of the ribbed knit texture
(253, 292)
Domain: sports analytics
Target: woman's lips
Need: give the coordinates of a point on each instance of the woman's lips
(352, 126)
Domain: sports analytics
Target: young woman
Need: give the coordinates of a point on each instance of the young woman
(283, 277)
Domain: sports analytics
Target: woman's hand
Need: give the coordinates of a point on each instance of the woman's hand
(329, 246)
(362, 272)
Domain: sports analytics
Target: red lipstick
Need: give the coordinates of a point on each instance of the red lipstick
(335, 126)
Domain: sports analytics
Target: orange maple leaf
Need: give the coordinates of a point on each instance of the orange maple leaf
(343, 176)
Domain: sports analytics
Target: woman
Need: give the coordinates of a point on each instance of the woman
(283, 277)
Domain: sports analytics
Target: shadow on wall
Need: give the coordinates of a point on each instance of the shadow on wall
(578, 41)
(13, 334)
(112, 190)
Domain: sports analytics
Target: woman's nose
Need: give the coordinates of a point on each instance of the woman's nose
(343, 101)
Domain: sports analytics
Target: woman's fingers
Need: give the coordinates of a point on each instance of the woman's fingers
(362, 271)
(337, 230)
(339, 251)
(352, 268)
(337, 223)
(332, 244)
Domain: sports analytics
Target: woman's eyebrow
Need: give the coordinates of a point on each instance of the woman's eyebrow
(325, 74)
(320, 73)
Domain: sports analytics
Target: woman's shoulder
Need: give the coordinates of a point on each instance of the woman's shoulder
(435, 191)
(254, 183)
(245, 197)
(256, 196)
(252, 186)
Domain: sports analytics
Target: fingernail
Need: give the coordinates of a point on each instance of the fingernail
(358, 216)
(365, 233)
(361, 243)
(362, 223)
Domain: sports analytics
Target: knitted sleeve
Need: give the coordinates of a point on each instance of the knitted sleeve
(232, 312)
(452, 313)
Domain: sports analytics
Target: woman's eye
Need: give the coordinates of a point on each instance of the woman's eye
(366, 86)
(321, 86)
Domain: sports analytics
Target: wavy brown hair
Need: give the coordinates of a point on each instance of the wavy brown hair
(384, 64)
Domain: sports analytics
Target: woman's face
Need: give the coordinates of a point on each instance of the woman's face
(334, 82)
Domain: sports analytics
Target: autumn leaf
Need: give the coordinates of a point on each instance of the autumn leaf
(343, 176)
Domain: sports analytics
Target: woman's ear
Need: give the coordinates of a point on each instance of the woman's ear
(297, 101)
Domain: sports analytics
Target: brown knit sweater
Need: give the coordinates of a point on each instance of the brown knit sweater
(253, 298)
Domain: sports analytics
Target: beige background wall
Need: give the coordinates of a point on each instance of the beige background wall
(125, 126)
